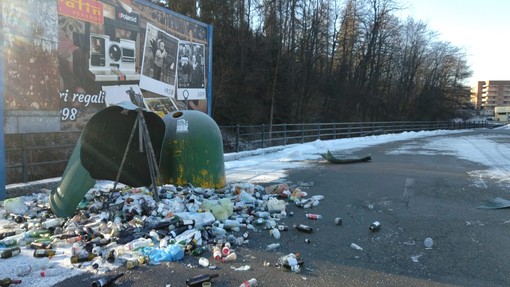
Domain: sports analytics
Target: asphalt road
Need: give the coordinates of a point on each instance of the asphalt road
(413, 196)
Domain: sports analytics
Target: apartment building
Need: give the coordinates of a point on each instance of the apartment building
(488, 95)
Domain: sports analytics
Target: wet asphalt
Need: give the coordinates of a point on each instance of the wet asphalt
(413, 196)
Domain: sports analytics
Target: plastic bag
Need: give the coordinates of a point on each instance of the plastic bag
(172, 252)
(15, 205)
(275, 205)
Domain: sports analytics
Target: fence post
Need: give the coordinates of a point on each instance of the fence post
(302, 132)
(318, 131)
(263, 135)
(237, 137)
(334, 130)
(284, 134)
(24, 157)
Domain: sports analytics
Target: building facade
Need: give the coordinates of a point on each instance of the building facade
(488, 95)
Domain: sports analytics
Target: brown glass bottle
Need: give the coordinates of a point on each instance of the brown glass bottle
(6, 282)
(44, 252)
(81, 258)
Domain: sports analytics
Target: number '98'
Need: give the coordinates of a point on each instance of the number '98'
(69, 114)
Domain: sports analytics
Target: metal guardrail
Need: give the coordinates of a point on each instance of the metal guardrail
(37, 156)
(241, 138)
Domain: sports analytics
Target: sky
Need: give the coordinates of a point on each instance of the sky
(480, 27)
(267, 166)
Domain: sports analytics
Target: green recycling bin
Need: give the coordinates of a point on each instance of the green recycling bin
(192, 150)
(73, 186)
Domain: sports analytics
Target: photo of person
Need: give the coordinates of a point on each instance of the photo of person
(197, 73)
(159, 57)
(159, 62)
(191, 79)
(191, 70)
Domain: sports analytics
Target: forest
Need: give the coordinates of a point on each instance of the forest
(299, 61)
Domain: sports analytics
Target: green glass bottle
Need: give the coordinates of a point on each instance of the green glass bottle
(198, 280)
(38, 233)
(10, 252)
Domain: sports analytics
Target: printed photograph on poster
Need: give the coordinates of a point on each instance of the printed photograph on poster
(161, 106)
(123, 93)
(159, 68)
(112, 60)
(191, 71)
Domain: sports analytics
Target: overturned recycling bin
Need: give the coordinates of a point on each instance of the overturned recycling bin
(112, 136)
(192, 150)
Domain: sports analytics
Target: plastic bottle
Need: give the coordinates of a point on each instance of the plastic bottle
(138, 243)
(14, 239)
(262, 214)
(5, 282)
(51, 272)
(230, 257)
(39, 264)
(291, 261)
(10, 252)
(106, 281)
(356, 246)
(204, 262)
(216, 253)
(272, 246)
(8, 242)
(52, 222)
(275, 232)
(250, 283)
(198, 280)
(226, 249)
(313, 216)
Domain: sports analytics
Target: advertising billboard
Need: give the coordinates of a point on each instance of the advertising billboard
(64, 60)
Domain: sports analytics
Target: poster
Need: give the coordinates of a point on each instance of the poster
(65, 60)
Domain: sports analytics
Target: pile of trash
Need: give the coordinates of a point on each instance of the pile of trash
(133, 226)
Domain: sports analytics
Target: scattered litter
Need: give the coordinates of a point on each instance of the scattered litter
(249, 283)
(132, 227)
(428, 242)
(356, 246)
(496, 203)
(242, 268)
(416, 257)
(375, 226)
(291, 261)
